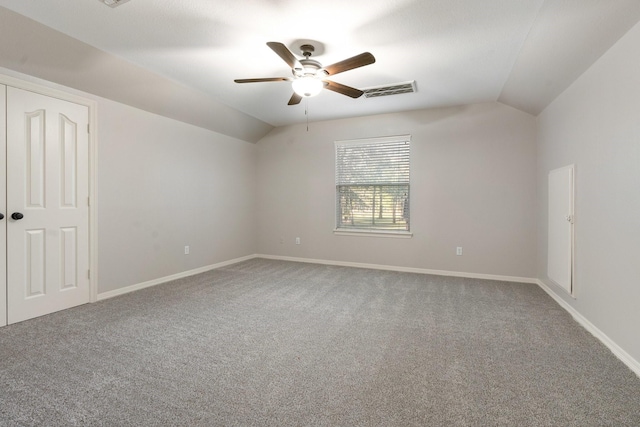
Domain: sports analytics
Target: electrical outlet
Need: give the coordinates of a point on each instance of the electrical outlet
(186, 250)
(459, 250)
(297, 240)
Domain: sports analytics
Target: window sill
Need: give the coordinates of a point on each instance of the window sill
(373, 233)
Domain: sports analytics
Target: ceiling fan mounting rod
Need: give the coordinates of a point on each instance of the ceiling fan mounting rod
(310, 66)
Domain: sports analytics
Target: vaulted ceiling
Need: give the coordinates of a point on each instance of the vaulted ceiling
(523, 53)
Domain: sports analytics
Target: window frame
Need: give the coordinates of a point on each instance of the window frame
(369, 232)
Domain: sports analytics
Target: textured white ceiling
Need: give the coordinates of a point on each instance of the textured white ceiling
(521, 52)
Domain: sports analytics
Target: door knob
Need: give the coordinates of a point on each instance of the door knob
(1, 216)
(17, 216)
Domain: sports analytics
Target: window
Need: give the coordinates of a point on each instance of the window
(372, 185)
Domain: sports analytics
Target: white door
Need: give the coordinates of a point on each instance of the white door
(3, 209)
(560, 228)
(47, 205)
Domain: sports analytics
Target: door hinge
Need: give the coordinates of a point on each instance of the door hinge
(88, 274)
(88, 201)
(88, 128)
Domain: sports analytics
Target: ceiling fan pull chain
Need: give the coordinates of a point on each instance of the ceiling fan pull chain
(306, 111)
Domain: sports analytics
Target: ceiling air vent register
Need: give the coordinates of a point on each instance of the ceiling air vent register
(113, 3)
(393, 89)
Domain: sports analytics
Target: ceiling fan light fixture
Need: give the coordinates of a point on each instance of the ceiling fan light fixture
(307, 86)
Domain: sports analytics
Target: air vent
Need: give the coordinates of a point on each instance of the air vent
(113, 3)
(394, 89)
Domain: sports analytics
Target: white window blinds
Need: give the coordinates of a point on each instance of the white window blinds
(372, 184)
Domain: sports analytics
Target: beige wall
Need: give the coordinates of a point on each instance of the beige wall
(164, 184)
(595, 124)
(472, 185)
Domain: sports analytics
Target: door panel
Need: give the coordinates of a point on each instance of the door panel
(47, 182)
(69, 257)
(34, 262)
(34, 138)
(3, 209)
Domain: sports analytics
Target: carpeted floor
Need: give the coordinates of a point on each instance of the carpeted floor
(272, 343)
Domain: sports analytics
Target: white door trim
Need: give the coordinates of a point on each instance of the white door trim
(3, 208)
(93, 166)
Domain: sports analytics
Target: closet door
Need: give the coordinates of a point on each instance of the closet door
(3, 207)
(47, 205)
(560, 231)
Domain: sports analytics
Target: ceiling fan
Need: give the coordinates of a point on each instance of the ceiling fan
(309, 76)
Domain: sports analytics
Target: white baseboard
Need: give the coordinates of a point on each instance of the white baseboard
(625, 357)
(404, 269)
(154, 282)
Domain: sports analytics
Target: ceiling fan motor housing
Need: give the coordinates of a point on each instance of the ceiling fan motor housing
(309, 68)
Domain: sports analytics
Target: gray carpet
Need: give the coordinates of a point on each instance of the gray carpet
(271, 343)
